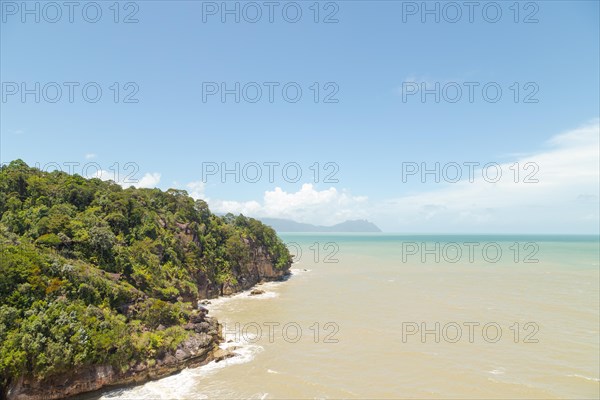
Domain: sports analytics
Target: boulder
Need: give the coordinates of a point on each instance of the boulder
(197, 317)
(189, 326)
(222, 354)
(202, 327)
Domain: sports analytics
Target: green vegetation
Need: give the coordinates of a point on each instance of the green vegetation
(93, 273)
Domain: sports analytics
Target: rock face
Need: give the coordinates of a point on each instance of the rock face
(260, 268)
(201, 348)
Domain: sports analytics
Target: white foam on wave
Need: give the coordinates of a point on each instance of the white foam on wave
(268, 287)
(497, 371)
(299, 271)
(265, 295)
(587, 378)
(177, 386)
(243, 350)
(181, 385)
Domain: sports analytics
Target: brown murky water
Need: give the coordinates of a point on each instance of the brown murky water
(365, 326)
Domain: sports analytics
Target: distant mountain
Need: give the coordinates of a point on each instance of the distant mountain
(287, 225)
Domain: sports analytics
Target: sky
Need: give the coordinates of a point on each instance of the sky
(432, 117)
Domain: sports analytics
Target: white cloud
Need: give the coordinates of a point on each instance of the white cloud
(196, 190)
(568, 172)
(149, 180)
(99, 173)
(309, 205)
(90, 156)
(565, 198)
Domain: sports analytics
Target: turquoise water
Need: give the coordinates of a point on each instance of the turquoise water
(562, 251)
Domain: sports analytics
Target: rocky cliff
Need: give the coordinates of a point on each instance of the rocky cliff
(258, 268)
(94, 276)
(201, 348)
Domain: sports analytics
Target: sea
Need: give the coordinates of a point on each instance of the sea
(409, 316)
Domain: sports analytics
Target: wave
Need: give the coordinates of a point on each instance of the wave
(183, 384)
(299, 271)
(498, 371)
(587, 378)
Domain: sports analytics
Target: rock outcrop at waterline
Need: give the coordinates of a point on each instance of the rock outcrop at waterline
(260, 268)
(200, 348)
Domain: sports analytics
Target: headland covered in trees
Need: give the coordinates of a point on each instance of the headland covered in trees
(99, 284)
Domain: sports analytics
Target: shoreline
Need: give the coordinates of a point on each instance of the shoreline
(91, 382)
(216, 354)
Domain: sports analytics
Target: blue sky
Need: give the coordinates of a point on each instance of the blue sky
(369, 133)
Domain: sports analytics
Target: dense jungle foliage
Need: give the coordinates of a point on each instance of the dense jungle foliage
(91, 272)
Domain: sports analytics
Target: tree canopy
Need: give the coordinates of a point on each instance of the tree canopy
(89, 270)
